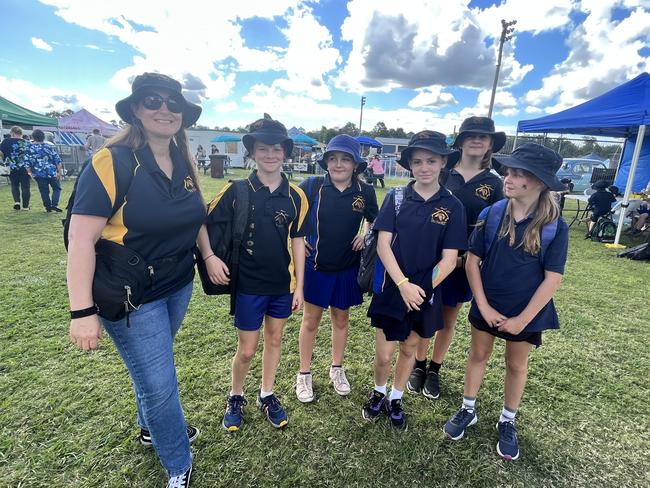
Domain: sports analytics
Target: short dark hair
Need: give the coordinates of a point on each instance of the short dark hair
(38, 135)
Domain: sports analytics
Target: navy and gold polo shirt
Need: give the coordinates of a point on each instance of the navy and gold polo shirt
(265, 263)
(159, 217)
(334, 220)
(476, 194)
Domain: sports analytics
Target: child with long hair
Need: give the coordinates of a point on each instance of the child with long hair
(514, 266)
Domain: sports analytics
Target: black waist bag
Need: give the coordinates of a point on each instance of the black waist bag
(121, 276)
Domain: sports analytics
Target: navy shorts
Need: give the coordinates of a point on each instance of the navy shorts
(251, 309)
(337, 289)
(534, 338)
(455, 288)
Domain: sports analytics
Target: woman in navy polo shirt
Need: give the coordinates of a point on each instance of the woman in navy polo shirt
(421, 229)
(141, 192)
(338, 203)
(472, 182)
(514, 265)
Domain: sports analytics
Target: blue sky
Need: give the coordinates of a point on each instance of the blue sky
(420, 64)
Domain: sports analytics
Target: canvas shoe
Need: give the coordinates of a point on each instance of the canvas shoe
(304, 388)
(396, 414)
(233, 417)
(416, 380)
(180, 481)
(271, 407)
(455, 427)
(508, 445)
(373, 407)
(340, 381)
(145, 436)
(431, 388)
(16, 205)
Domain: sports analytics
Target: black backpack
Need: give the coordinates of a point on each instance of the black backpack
(225, 241)
(604, 230)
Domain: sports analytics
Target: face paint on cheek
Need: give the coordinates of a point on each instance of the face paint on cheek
(524, 187)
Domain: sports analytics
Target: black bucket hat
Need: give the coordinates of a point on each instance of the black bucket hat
(536, 159)
(431, 141)
(347, 144)
(480, 125)
(145, 82)
(268, 131)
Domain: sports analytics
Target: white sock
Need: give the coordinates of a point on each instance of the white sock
(396, 394)
(380, 389)
(469, 403)
(264, 394)
(507, 415)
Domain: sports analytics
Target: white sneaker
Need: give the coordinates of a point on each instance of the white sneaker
(339, 380)
(304, 389)
(180, 481)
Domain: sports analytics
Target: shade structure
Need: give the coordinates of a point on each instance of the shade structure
(369, 141)
(226, 138)
(13, 114)
(300, 137)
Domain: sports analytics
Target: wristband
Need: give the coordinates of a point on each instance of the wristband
(205, 259)
(86, 312)
(401, 282)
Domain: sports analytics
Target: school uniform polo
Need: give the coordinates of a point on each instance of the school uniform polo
(334, 220)
(475, 194)
(421, 231)
(159, 217)
(265, 263)
(510, 275)
(601, 203)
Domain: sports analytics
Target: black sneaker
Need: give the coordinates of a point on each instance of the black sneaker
(373, 407)
(17, 206)
(56, 209)
(431, 388)
(48, 209)
(145, 436)
(416, 380)
(508, 445)
(396, 415)
(180, 481)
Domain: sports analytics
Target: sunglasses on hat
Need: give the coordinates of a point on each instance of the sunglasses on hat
(154, 102)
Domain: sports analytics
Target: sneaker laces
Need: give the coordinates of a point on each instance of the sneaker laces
(236, 403)
(302, 382)
(508, 432)
(461, 415)
(396, 409)
(376, 399)
(177, 481)
(339, 377)
(271, 403)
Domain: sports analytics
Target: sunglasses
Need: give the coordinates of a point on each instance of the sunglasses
(154, 102)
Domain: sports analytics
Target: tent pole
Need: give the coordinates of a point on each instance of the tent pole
(630, 179)
(514, 143)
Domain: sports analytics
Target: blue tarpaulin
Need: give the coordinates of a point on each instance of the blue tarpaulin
(368, 141)
(642, 174)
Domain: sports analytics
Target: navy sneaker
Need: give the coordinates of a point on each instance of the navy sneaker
(271, 407)
(373, 407)
(508, 445)
(396, 414)
(145, 436)
(431, 388)
(455, 427)
(416, 380)
(233, 417)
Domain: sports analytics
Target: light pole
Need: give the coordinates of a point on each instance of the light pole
(506, 35)
(363, 102)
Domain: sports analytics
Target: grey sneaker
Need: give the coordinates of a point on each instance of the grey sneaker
(304, 388)
(340, 381)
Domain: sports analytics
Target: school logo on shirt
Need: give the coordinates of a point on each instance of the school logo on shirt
(484, 191)
(358, 204)
(189, 184)
(281, 218)
(440, 216)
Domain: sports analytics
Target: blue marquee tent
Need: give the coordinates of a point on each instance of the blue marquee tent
(621, 112)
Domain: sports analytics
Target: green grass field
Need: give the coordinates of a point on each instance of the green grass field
(67, 417)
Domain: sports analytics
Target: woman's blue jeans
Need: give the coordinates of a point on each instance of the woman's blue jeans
(147, 350)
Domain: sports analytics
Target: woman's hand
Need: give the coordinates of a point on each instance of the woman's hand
(412, 295)
(491, 316)
(357, 243)
(512, 325)
(217, 270)
(86, 332)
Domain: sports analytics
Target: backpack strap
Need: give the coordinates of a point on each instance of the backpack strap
(492, 216)
(239, 223)
(547, 235)
(399, 198)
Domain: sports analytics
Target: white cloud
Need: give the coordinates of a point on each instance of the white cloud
(432, 97)
(226, 107)
(39, 43)
(533, 110)
(531, 16)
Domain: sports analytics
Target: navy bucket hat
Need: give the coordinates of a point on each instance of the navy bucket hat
(431, 141)
(480, 125)
(347, 144)
(536, 159)
(144, 84)
(268, 131)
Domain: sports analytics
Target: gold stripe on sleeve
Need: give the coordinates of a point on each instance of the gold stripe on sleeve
(103, 165)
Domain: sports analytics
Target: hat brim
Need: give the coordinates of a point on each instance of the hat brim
(550, 180)
(249, 141)
(361, 163)
(191, 111)
(498, 139)
(452, 154)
